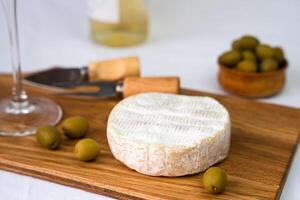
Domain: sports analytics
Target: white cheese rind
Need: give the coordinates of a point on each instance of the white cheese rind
(169, 135)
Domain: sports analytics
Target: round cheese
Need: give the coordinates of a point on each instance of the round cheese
(169, 135)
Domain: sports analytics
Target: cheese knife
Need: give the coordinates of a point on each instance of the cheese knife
(130, 86)
(107, 70)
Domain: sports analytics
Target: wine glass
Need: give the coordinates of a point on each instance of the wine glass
(20, 115)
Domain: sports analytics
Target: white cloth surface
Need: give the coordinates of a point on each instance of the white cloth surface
(186, 38)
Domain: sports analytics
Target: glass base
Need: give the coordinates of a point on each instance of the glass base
(24, 118)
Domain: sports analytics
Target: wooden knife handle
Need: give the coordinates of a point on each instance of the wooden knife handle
(114, 69)
(135, 85)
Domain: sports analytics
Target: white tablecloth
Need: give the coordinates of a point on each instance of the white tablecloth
(185, 39)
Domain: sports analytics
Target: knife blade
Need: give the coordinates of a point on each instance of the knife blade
(107, 70)
(60, 77)
(130, 86)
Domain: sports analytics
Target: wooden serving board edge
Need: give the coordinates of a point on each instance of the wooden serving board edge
(28, 171)
(63, 181)
(285, 174)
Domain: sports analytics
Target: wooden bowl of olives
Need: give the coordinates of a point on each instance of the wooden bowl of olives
(252, 69)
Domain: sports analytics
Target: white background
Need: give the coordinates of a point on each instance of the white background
(186, 38)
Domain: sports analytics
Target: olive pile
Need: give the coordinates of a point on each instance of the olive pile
(74, 128)
(249, 55)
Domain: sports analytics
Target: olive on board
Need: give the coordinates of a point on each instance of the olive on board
(214, 180)
(75, 127)
(87, 149)
(48, 136)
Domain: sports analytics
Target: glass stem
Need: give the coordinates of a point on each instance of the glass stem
(19, 96)
(19, 103)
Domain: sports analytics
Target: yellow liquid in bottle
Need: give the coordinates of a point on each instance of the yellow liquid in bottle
(131, 29)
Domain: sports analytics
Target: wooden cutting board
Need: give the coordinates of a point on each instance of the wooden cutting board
(264, 137)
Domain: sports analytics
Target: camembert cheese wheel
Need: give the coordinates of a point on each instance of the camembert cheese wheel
(169, 135)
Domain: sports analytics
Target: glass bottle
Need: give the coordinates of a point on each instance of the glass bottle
(118, 23)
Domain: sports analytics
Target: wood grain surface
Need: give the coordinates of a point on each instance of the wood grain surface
(264, 137)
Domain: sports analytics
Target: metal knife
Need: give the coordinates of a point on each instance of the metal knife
(107, 70)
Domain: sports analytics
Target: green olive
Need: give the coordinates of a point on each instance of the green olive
(248, 42)
(247, 66)
(269, 65)
(75, 127)
(48, 136)
(278, 54)
(236, 45)
(230, 58)
(264, 51)
(214, 180)
(87, 149)
(249, 55)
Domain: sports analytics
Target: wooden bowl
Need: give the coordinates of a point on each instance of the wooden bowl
(252, 84)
